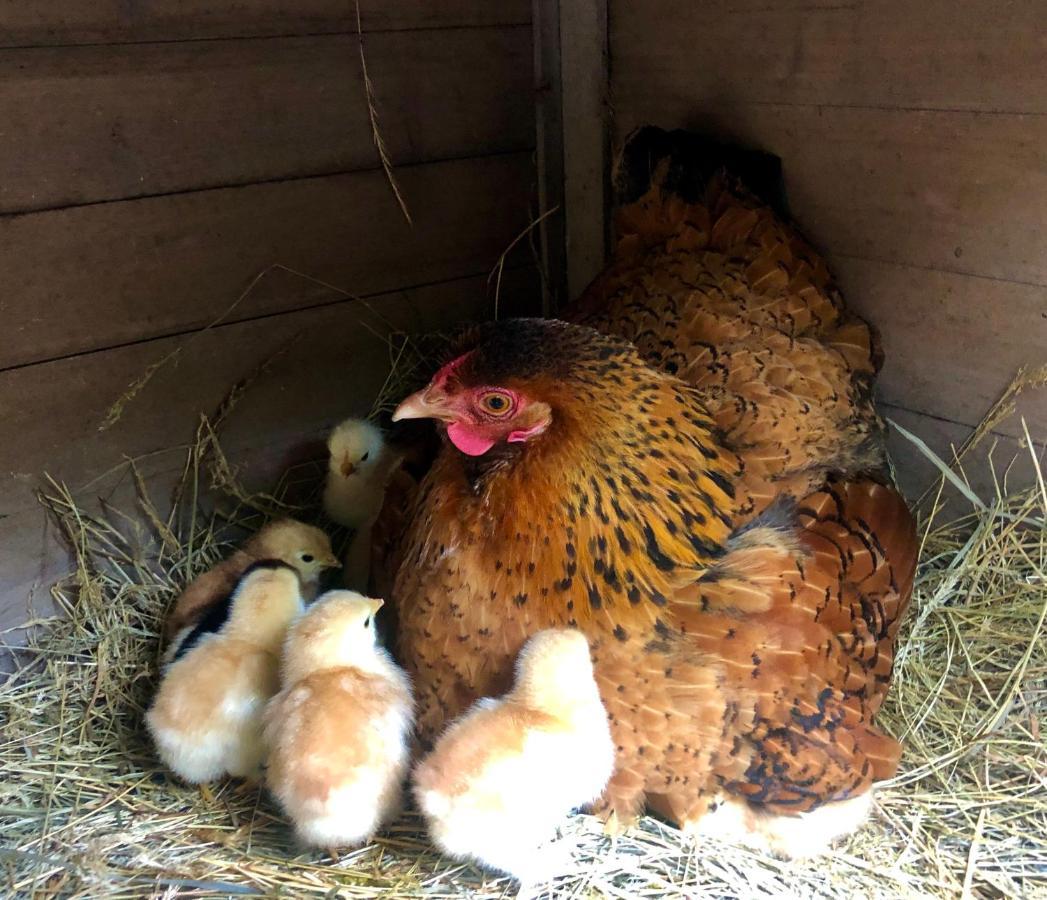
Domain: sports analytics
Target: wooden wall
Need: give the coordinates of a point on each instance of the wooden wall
(156, 158)
(913, 137)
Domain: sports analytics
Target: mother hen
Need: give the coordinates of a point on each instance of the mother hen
(690, 471)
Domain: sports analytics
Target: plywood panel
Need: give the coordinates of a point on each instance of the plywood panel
(98, 276)
(327, 363)
(935, 54)
(108, 21)
(83, 124)
(952, 342)
(959, 192)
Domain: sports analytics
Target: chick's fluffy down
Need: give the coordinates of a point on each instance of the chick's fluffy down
(339, 753)
(206, 719)
(504, 776)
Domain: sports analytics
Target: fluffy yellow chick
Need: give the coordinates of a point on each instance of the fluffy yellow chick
(504, 775)
(338, 731)
(302, 546)
(359, 468)
(206, 718)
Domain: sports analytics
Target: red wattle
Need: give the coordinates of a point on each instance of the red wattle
(468, 441)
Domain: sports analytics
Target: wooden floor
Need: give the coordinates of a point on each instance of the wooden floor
(177, 165)
(912, 136)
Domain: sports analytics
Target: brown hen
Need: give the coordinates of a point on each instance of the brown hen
(694, 482)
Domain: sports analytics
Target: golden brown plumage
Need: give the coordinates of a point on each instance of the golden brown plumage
(702, 502)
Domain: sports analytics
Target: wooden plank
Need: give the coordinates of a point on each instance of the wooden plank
(324, 364)
(935, 54)
(549, 150)
(952, 342)
(583, 79)
(116, 21)
(960, 192)
(97, 276)
(83, 124)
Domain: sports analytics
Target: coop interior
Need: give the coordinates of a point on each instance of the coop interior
(229, 226)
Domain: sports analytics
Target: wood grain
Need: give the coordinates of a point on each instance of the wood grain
(952, 343)
(583, 79)
(25, 24)
(326, 364)
(83, 124)
(935, 54)
(98, 276)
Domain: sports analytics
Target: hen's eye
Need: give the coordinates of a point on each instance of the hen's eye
(496, 403)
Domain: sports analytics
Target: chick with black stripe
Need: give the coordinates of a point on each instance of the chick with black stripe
(206, 718)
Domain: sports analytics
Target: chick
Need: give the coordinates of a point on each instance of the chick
(206, 718)
(359, 467)
(302, 546)
(504, 775)
(338, 731)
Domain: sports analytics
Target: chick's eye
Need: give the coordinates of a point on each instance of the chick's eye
(364, 457)
(496, 403)
(307, 557)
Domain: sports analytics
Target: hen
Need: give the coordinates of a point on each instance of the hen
(691, 473)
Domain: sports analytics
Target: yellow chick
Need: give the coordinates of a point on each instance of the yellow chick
(302, 546)
(359, 468)
(338, 731)
(504, 775)
(206, 718)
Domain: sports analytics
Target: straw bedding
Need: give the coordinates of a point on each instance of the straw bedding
(86, 812)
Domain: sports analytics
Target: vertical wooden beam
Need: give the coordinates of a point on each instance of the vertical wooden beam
(545, 20)
(584, 79)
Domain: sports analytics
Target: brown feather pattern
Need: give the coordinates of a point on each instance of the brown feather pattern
(705, 506)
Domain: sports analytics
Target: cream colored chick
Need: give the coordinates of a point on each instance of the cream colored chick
(302, 546)
(338, 731)
(359, 468)
(206, 718)
(503, 776)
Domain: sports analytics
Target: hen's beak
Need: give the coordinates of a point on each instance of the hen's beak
(425, 404)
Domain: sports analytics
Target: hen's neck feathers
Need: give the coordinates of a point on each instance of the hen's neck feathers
(627, 495)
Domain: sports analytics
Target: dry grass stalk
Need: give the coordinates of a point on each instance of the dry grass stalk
(116, 411)
(499, 267)
(372, 112)
(86, 812)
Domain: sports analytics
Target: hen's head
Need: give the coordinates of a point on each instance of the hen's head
(510, 381)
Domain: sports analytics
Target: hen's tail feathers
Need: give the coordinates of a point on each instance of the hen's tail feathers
(684, 163)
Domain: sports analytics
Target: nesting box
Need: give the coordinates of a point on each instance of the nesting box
(224, 215)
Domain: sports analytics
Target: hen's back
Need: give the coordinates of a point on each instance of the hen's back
(716, 286)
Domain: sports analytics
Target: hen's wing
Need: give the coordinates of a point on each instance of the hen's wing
(807, 644)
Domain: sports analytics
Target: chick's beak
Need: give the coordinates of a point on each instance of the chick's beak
(374, 604)
(425, 404)
(332, 562)
(347, 467)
